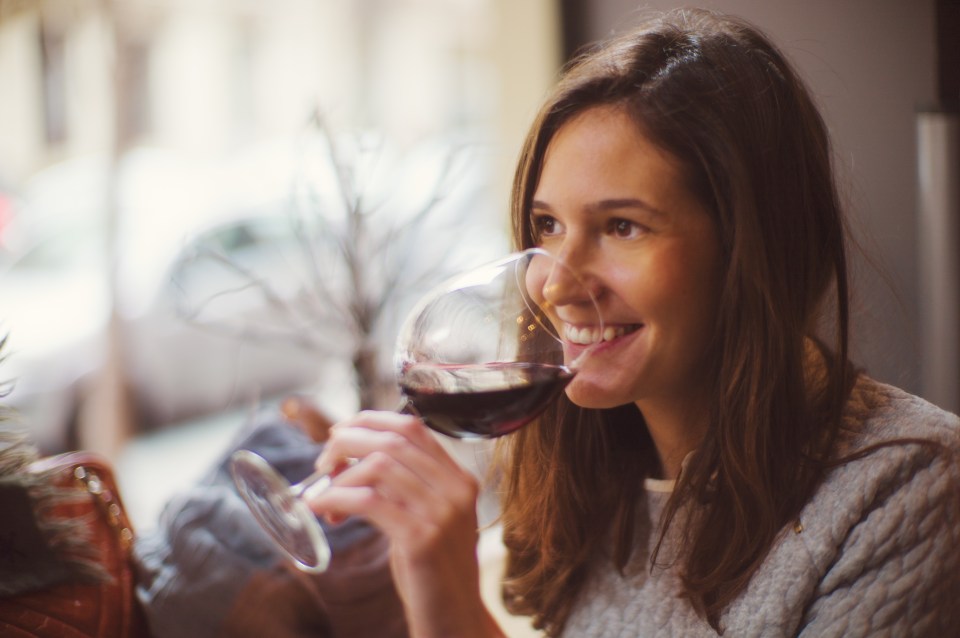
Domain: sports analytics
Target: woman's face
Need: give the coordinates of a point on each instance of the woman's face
(616, 209)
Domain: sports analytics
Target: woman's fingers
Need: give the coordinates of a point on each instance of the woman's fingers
(417, 529)
(400, 470)
(409, 427)
(412, 480)
(402, 437)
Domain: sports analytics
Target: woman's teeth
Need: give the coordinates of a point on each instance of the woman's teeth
(587, 335)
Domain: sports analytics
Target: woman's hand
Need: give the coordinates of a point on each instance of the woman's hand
(405, 483)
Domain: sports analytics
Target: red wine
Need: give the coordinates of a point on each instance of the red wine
(481, 401)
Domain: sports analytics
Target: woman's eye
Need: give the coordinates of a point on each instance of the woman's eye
(545, 226)
(624, 228)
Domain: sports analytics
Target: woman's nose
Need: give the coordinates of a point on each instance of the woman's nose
(562, 287)
(559, 282)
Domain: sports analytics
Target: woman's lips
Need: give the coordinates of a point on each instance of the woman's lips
(590, 335)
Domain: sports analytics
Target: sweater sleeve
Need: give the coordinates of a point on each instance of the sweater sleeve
(897, 572)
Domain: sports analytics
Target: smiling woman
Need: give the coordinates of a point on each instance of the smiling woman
(719, 440)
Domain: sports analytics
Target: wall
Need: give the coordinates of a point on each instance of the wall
(871, 66)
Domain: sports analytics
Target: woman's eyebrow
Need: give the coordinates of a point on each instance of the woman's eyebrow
(606, 205)
(626, 202)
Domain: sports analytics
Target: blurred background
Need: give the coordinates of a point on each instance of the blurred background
(206, 205)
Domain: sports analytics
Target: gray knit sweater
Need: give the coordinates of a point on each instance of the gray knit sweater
(876, 551)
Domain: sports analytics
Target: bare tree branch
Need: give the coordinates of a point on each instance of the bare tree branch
(359, 253)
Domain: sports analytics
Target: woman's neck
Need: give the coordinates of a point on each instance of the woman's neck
(675, 431)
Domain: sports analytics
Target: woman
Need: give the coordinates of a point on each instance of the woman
(717, 466)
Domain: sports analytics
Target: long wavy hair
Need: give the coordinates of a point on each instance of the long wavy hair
(718, 95)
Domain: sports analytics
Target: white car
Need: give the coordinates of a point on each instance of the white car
(217, 332)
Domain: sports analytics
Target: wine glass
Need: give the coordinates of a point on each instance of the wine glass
(478, 357)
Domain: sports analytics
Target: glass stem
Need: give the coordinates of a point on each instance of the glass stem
(318, 480)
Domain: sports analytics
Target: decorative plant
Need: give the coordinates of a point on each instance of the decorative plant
(366, 230)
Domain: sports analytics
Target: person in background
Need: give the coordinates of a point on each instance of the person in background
(718, 465)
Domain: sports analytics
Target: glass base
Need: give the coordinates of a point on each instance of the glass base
(280, 511)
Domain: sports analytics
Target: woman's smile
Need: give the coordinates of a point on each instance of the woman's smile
(589, 335)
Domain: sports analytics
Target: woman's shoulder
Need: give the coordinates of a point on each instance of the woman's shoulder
(882, 529)
(878, 413)
(879, 533)
(898, 457)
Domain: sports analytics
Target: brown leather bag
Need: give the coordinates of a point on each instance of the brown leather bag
(104, 609)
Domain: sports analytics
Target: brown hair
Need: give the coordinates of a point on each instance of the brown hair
(718, 95)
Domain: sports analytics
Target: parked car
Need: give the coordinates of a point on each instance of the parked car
(217, 332)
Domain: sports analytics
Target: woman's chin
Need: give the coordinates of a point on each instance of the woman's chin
(587, 395)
